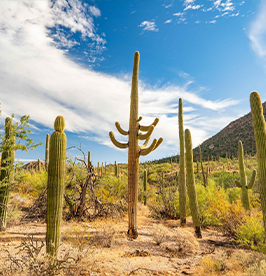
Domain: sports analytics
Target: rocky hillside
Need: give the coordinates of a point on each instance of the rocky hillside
(225, 142)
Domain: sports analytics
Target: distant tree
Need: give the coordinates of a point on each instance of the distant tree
(15, 138)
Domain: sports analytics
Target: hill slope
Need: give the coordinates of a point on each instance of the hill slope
(225, 142)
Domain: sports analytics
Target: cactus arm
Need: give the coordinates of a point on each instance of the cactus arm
(237, 183)
(123, 132)
(144, 146)
(252, 180)
(146, 135)
(139, 119)
(116, 143)
(146, 128)
(146, 151)
(158, 143)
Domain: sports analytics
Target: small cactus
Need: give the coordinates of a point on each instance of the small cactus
(7, 162)
(145, 187)
(182, 171)
(39, 165)
(47, 152)
(55, 185)
(191, 188)
(89, 158)
(243, 179)
(260, 137)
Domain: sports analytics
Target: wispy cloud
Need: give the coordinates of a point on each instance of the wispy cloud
(257, 32)
(168, 21)
(168, 6)
(37, 78)
(192, 7)
(149, 26)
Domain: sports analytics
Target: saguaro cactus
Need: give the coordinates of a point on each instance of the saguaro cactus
(55, 185)
(47, 152)
(260, 137)
(243, 179)
(7, 162)
(134, 150)
(39, 165)
(182, 173)
(204, 175)
(191, 189)
(89, 158)
(145, 187)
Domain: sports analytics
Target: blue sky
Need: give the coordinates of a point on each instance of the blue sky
(75, 58)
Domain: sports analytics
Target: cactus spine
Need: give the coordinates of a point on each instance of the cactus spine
(55, 185)
(243, 179)
(47, 152)
(145, 187)
(191, 189)
(260, 137)
(7, 162)
(134, 150)
(182, 173)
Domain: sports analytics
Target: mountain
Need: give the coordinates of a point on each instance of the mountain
(225, 142)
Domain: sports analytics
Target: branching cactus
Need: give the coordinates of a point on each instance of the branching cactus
(7, 162)
(47, 152)
(55, 186)
(191, 189)
(260, 137)
(134, 150)
(182, 173)
(243, 179)
(145, 187)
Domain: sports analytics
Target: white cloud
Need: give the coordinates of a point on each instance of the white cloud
(37, 78)
(168, 6)
(149, 26)
(211, 22)
(168, 21)
(192, 7)
(186, 2)
(257, 32)
(197, 22)
(95, 11)
(178, 14)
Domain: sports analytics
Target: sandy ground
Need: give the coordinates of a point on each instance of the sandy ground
(105, 249)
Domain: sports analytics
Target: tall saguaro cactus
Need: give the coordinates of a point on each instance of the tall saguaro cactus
(47, 152)
(7, 162)
(243, 179)
(260, 137)
(191, 189)
(182, 173)
(134, 150)
(55, 185)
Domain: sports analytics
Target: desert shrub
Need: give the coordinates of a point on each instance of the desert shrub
(225, 179)
(251, 232)
(30, 182)
(227, 216)
(212, 264)
(159, 233)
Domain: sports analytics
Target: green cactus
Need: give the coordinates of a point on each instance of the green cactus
(7, 162)
(191, 189)
(145, 187)
(89, 158)
(182, 171)
(243, 179)
(55, 185)
(105, 167)
(134, 150)
(47, 152)
(260, 137)
(98, 167)
(39, 165)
